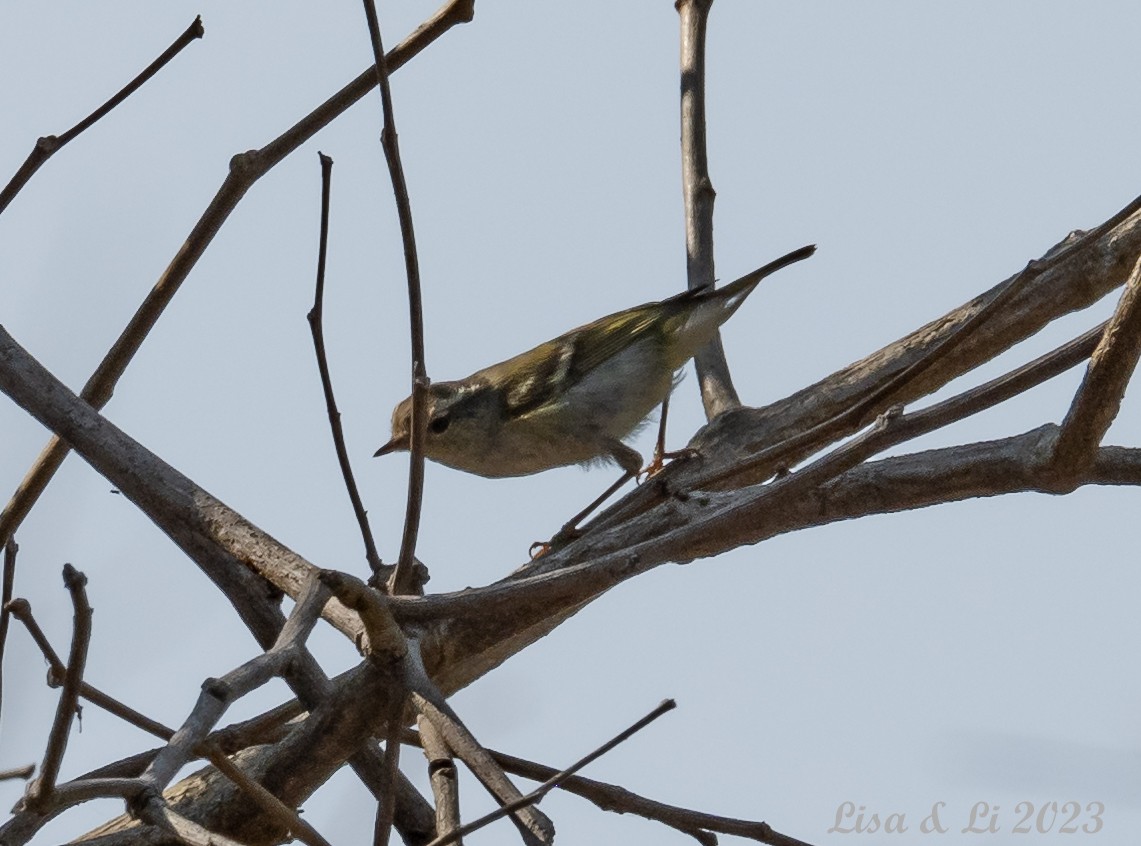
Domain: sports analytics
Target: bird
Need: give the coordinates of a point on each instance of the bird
(573, 399)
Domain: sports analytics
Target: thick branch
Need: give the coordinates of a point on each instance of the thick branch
(1099, 397)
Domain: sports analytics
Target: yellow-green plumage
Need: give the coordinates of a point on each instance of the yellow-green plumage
(572, 399)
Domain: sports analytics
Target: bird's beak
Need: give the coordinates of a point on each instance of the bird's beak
(395, 445)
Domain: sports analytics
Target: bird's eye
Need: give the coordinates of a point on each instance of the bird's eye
(439, 424)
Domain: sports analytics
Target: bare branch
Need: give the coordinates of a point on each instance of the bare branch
(245, 169)
(442, 773)
(386, 643)
(386, 807)
(218, 694)
(717, 391)
(1099, 398)
(9, 580)
(401, 579)
(270, 805)
(387, 649)
(57, 671)
(1069, 277)
(215, 537)
(47, 146)
(533, 825)
(317, 328)
(158, 814)
(40, 790)
(24, 772)
(536, 795)
(612, 797)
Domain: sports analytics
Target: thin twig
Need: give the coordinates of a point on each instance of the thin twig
(218, 694)
(401, 580)
(57, 671)
(143, 791)
(536, 795)
(9, 580)
(713, 377)
(387, 649)
(245, 170)
(24, 772)
(442, 774)
(612, 797)
(533, 825)
(50, 144)
(41, 789)
(1098, 398)
(269, 804)
(386, 806)
(156, 812)
(316, 326)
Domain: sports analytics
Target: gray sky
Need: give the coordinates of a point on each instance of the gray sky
(977, 652)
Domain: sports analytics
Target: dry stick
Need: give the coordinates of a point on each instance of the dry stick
(442, 774)
(245, 170)
(893, 427)
(265, 728)
(50, 144)
(24, 772)
(536, 795)
(210, 534)
(1098, 399)
(316, 326)
(41, 789)
(218, 694)
(533, 825)
(401, 580)
(393, 653)
(158, 814)
(612, 797)
(849, 419)
(387, 649)
(270, 805)
(717, 391)
(386, 806)
(9, 579)
(121, 778)
(22, 611)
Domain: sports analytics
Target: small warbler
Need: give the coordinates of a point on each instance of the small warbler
(573, 399)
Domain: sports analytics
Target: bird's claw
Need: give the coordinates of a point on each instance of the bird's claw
(564, 535)
(658, 462)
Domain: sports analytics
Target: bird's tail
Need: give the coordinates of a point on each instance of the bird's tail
(732, 295)
(715, 307)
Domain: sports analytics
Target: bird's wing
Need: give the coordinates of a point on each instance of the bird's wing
(538, 377)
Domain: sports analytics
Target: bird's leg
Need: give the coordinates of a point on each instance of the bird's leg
(631, 461)
(569, 531)
(658, 461)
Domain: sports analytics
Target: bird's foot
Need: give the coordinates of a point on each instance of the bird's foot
(658, 462)
(564, 536)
